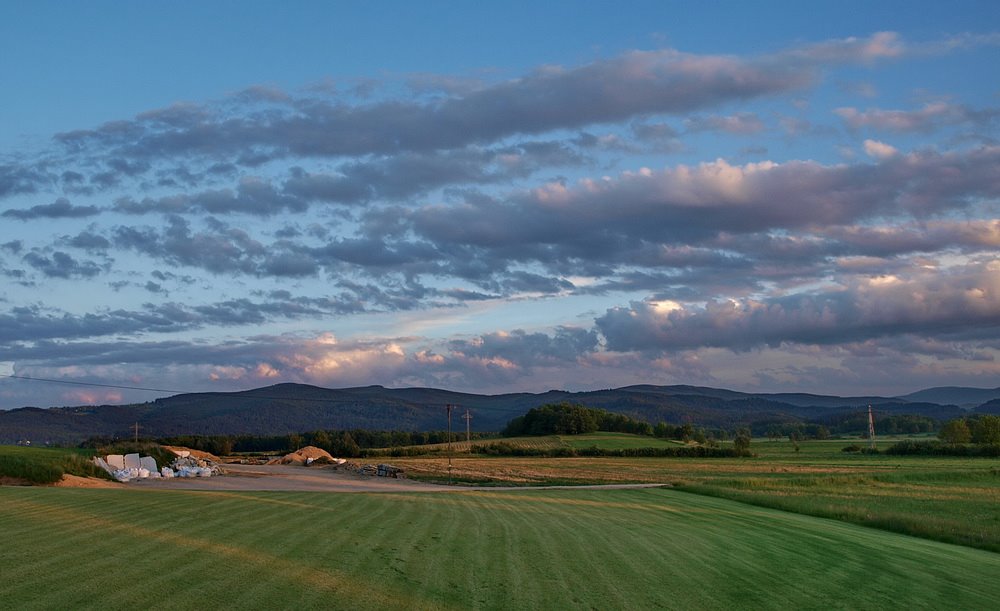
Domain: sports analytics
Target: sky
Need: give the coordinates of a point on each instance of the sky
(516, 197)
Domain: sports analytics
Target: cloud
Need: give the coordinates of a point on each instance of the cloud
(741, 123)
(252, 196)
(635, 83)
(950, 303)
(879, 150)
(693, 204)
(18, 179)
(932, 116)
(61, 265)
(61, 208)
(521, 349)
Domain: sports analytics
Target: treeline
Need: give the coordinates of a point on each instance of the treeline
(503, 448)
(897, 424)
(569, 419)
(978, 429)
(976, 435)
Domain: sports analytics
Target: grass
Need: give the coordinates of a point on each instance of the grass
(950, 499)
(45, 465)
(602, 440)
(615, 441)
(652, 548)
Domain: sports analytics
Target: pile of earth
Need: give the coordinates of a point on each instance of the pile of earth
(309, 455)
(188, 452)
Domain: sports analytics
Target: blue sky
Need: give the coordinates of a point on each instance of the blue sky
(763, 196)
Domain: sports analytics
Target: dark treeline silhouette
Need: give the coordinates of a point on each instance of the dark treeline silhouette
(569, 419)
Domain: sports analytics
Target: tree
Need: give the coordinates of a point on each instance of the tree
(955, 432)
(986, 430)
(346, 446)
(321, 439)
(741, 442)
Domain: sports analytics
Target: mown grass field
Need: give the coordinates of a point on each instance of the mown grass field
(524, 549)
(942, 498)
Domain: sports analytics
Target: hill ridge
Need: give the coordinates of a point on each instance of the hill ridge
(290, 407)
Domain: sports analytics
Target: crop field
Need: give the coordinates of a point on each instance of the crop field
(650, 548)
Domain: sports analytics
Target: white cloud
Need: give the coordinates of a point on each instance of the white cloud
(879, 150)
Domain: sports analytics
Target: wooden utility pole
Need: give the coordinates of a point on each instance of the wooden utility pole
(468, 426)
(871, 429)
(449, 407)
(136, 427)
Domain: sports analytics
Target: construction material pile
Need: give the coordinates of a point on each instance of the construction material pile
(307, 456)
(368, 470)
(189, 466)
(128, 467)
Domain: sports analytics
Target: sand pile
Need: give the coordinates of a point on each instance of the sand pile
(186, 452)
(308, 455)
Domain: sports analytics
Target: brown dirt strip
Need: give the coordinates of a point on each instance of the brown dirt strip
(322, 479)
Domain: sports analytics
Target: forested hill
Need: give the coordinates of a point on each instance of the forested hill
(289, 408)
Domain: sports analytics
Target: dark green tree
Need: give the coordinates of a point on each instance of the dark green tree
(955, 432)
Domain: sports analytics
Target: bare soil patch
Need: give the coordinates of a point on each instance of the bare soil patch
(75, 481)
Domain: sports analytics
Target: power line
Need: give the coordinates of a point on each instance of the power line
(75, 383)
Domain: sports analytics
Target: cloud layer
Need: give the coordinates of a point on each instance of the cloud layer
(653, 216)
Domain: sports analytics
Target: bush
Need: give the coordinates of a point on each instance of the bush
(44, 465)
(34, 471)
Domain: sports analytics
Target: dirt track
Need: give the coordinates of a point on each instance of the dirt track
(317, 479)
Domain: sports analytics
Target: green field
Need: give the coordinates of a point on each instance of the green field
(949, 499)
(530, 549)
(615, 441)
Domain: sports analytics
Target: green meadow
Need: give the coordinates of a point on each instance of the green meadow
(523, 549)
(950, 499)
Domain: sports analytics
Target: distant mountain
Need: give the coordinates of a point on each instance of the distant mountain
(954, 395)
(291, 408)
(990, 407)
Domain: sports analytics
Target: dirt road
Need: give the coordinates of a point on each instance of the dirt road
(318, 479)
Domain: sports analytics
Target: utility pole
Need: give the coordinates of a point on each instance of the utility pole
(449, 408)
(136, 427)
(468, 426)
(871, 429)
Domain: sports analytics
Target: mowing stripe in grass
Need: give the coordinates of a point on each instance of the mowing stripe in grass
(80, 524)
(529, 549)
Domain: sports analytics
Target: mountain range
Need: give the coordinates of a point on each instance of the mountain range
(292, 408)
